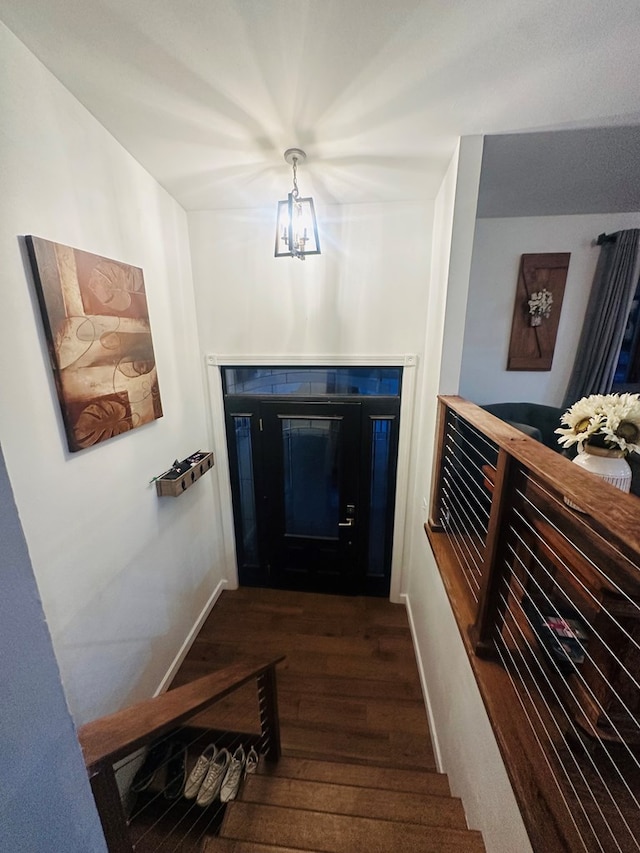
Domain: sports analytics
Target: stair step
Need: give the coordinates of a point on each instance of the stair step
(232, 845)
(319, 831)
(405, 806)
(365, 775)
(395, 749)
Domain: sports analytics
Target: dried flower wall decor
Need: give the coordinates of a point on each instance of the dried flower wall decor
(536, 312)
(540, 306)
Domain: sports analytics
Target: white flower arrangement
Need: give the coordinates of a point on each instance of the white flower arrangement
(540, 306)
(603, 420)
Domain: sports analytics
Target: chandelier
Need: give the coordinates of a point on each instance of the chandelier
(297, 229)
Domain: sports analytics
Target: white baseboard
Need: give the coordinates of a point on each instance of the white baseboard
(423, 682)
(193, 633)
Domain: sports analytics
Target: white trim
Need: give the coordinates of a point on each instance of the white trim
(407, 406)
(314, 360)
(400, 520)
(435, 743)
(193, 633)
(225, 503)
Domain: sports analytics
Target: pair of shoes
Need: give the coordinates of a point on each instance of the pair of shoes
(199, 771)
(176, 771)
(213, 780)
(252, 761)
(157, 757)
(233, 777)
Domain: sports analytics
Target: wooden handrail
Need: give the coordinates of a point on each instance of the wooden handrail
(111, 738)
(612, 513)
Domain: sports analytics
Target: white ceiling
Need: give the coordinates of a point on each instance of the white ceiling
(207, 94)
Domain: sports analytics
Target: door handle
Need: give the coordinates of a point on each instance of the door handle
(348, 523)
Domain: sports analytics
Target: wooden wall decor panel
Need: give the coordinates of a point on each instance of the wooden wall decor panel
(531, 347)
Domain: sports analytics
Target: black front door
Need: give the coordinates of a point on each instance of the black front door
(311, 494)
(313, 488)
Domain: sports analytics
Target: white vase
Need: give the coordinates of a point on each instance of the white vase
(609, 465)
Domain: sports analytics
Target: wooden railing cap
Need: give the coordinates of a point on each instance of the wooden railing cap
(110, 738)
(611, 512)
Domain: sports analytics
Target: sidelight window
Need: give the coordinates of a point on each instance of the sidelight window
(246, 488)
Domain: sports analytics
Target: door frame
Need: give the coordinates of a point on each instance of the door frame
(215, 361)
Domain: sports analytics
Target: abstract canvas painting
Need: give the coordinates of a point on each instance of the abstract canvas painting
(97, 326)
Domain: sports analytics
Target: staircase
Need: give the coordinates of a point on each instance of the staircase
(348, 765)
(302, 804)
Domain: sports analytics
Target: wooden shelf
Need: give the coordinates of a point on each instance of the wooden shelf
(173, 486)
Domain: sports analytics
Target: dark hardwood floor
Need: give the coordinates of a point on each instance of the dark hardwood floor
(356, 772)
(349, 687)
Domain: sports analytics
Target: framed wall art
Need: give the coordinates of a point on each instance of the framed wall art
(536, 312)
(96, 322)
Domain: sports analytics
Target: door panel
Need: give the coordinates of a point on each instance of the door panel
(311, 494)
(313, 487)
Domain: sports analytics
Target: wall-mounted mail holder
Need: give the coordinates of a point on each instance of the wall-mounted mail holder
(182, 475)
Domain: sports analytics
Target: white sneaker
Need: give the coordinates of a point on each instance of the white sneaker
(233, 776)
(252, 761)
(213, 780)
(199, 771)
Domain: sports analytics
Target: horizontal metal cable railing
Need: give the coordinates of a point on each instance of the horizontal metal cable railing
(142, 760)
(553, 594)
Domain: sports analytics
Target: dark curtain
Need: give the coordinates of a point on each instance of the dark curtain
(605, 321)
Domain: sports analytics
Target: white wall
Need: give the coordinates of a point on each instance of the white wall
(465, 746)
(498, 245)
(365, 294)
(123, 575)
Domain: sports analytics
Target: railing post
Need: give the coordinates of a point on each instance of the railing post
(491, 605)
(435, 522)
(269, 719)
(107, 798)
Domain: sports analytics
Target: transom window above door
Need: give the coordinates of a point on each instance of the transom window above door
(312, 381)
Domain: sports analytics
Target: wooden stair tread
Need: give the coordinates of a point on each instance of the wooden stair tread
(354, 714)
(336, 685)
(402, 806)
(365, 775)
(233, 845)
(393, 749)
(330, 833)
(382, 671)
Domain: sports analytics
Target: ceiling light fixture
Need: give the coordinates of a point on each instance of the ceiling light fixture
(297, 229)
